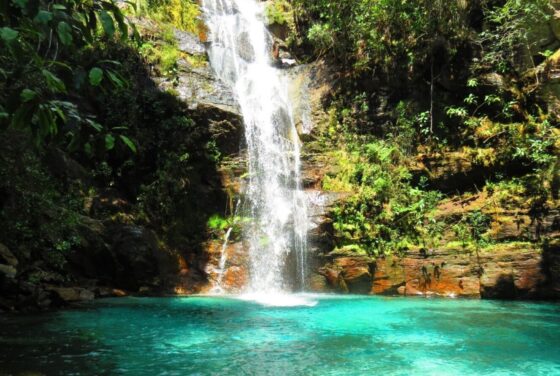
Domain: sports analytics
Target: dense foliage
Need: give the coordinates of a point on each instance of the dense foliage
(430, 80)
(88, 138)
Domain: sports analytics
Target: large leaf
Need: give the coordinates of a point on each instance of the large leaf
(128, 142)
(64, 32)
(118, 82)
(54, 83)
(28, 95)
(95, 76)
(43, 17)
(123, 27)
(8, 34)
(95, 125)
(107, 22)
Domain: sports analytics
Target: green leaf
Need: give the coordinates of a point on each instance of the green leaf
(43, 17)
(107, 22)
(58, 110)
(121, 23)
(46, 121)
(64, 33)
(8, 34)
(27, 95)
(54, 83)
(59, 7)
(109, 142)
(95, 76)
(115, 79)
(95, 125)
(128, 142)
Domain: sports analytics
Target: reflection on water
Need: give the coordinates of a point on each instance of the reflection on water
(337, 336)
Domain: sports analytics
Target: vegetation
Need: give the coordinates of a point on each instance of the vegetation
(88, 139)
(453, 70)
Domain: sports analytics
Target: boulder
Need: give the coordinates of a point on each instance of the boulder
(72, 294)
(334, 280)
(346, 274)
(356, 273)
(106, 292)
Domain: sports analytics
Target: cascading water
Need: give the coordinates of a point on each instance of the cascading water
(240, 56)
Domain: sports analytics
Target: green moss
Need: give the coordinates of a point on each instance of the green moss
(279, 12)
(349, 250)
(164, 56)
(511, 247)
(182, 14)
(459, 246)
(169, 55)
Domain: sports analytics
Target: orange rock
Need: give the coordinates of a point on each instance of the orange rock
(356, 273)
(234, 279)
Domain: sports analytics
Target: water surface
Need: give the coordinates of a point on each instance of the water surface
(337, 336)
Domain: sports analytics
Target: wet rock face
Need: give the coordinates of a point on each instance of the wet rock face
(513, 272)
(509, 271)
(235, 275)
(444, 273)
(244, 47)
(136, 252)
(189, 43)
(310, 84)
(198, 86)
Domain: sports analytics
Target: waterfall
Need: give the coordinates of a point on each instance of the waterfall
(240, 54)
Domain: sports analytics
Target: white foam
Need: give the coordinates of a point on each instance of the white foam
(280, 299)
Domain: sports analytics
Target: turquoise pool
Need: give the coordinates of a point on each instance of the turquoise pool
(336, 336)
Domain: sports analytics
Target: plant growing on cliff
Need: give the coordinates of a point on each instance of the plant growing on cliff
(182, 14)
(508, 34)
(385, 213)
(387, 34)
